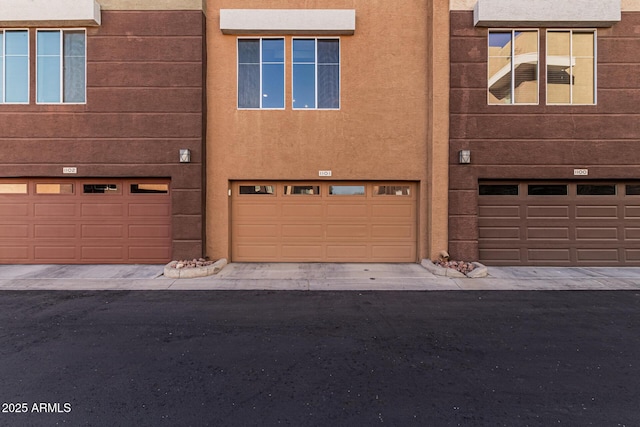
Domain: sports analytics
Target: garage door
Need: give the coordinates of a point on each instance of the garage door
(324, 222)
(84, 221)
(559, 223)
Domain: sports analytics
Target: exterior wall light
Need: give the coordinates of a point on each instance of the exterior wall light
(464, 156)
(185, 155)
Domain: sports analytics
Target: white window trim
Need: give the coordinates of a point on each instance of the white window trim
(513, 55)
(316, 108)
(62, 31)
(284, 85)
(3, 71)
(595, 63)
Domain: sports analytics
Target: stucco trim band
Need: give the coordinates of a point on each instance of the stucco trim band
(544, 13)
(153, 5)
(62, 13)
(288, 21)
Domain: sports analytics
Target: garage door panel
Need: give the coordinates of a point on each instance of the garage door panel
(389, 231)
(598, 254)
(95, 224)
(54, 253)
(393, 211)
(632, 233)
(247, 210)
(603, 212)
(268, 252)
(500, 254)
(552, 255)
(600, 233)
(47, 231)
(10, 210)
(632, 255)
(390, 252)
(500, 211)
(102, 230)
(302, 210)
(502, 233)
(351, 211)
(54, 209)
(548, 233)
(162, 231)
(150, 253)
(91, 210)
(14, 230)
(14, 253)
(149, 210)
(308, 231)
(102, 252)
(575, 228)
(555, 212)
(632, 212)
(301, 252)
(346, 252)
(341, 222)
(357, 231)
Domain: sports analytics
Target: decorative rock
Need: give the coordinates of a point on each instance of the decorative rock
(190, 269)
(458, 269)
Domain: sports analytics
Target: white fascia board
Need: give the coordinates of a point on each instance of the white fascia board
(546, 13)
(58, 13)
(288, 21)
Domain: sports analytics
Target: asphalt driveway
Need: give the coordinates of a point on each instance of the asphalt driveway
(320, 358)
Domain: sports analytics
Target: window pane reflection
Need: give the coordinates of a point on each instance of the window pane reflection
(571, 67)
(18, 188)
(513, 67)
(54, 188)
(391, 190)
(257, 189)
(311, 190)
(346, 190)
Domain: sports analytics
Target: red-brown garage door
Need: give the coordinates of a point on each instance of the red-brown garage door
(559, 223)
(84, 221)
(324, 222)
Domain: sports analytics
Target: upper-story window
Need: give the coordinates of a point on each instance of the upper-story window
(513, 67)
(315, 65)
(261, 73)
(14, 66)
(316, 73)
(571, 67)
(61, 66)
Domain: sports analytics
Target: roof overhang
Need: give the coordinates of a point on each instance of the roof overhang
(546, 13)
(58, 13)
(288, 21)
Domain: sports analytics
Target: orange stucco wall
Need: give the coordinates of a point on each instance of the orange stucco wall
(384, 129)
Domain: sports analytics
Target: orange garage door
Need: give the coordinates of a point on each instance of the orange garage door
(84, 221)
(324, 222)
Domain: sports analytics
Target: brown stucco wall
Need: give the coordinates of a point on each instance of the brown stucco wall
(538, 141)
(381, 132)
(145, 101)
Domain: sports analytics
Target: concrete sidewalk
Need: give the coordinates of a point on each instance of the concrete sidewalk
(314, 277)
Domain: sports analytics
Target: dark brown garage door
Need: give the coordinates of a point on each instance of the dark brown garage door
(84, 221)
(559, 223)
(324, 222)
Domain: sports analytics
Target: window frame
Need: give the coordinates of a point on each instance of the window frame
(3, 66)
(511, 58)
(62, 31)
(316, 64)
(571, 31)
(260, 66)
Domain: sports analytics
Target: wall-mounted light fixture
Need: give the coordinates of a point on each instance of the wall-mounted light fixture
(185, 155)
(464, 156)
